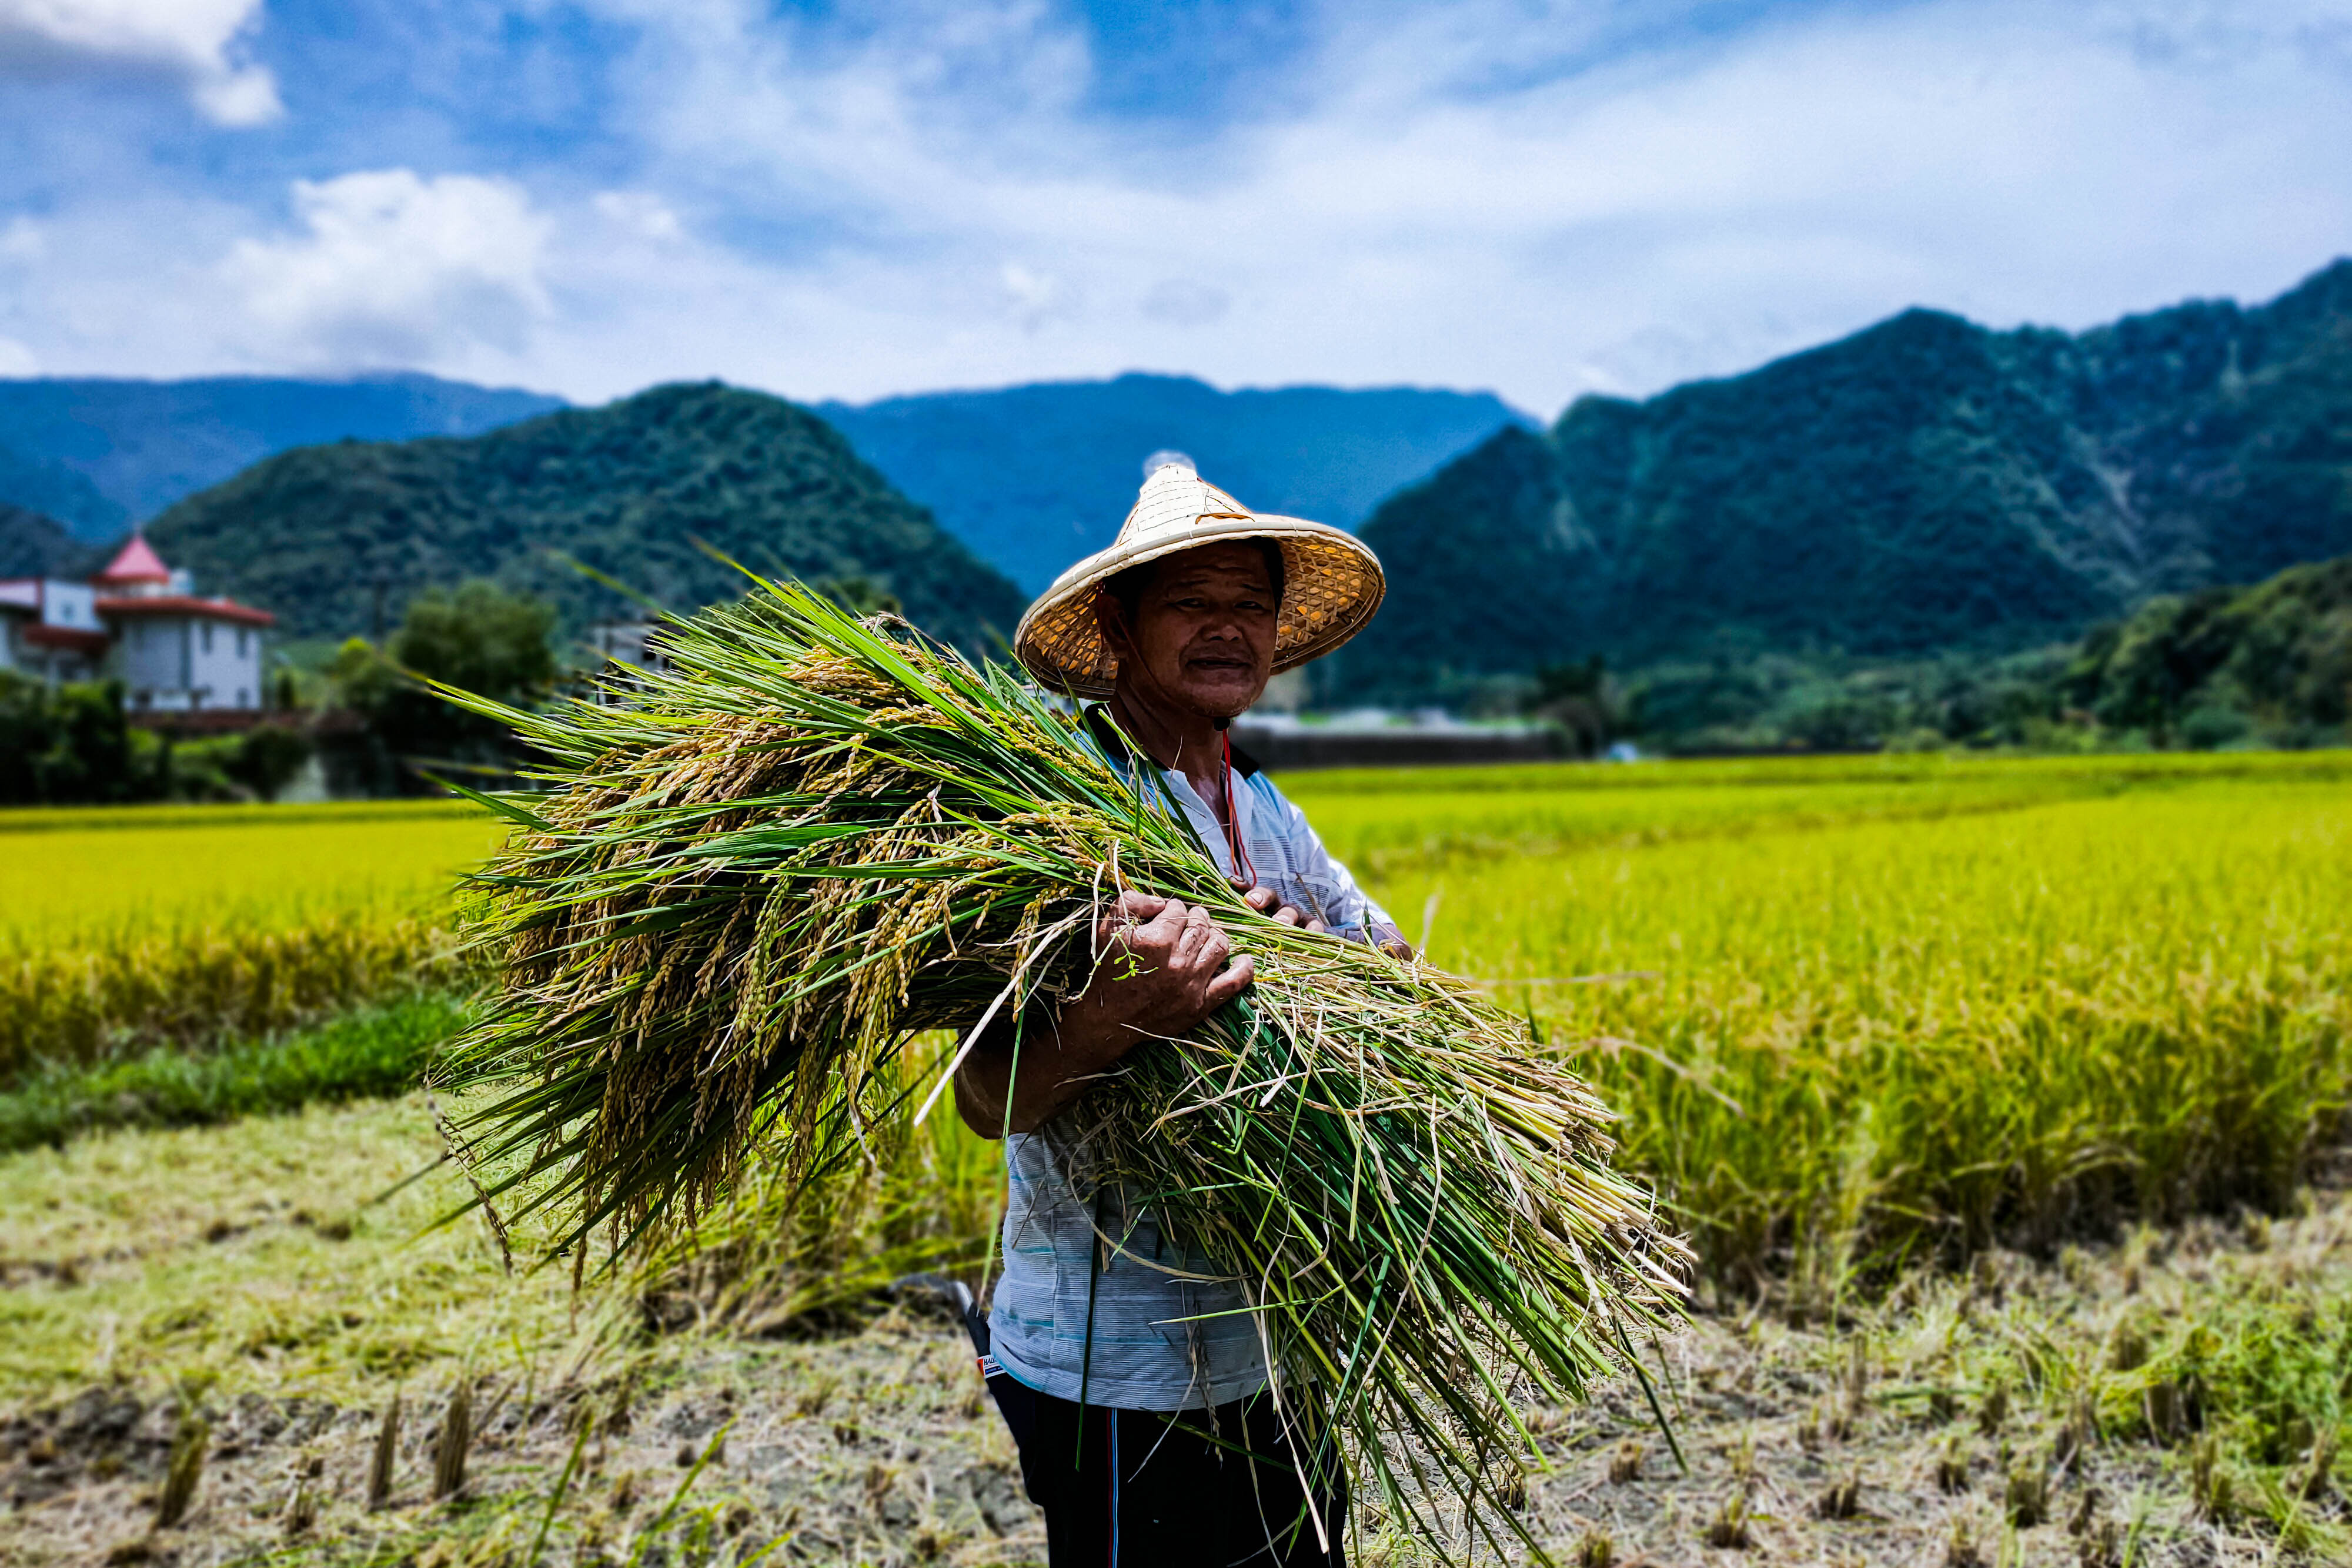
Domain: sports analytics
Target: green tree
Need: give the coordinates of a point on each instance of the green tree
(254, 764)
(479, 639)
(1581, 701)
(71, 746)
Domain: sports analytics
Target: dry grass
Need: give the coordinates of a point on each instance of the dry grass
(874, 1446)
(251, 1257)
(242, 1271)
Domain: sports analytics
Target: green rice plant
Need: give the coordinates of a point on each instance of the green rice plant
(1402, 821)
(1843, 1044)
(377, 1050)
(746, 891)
(2101, 774)
(83, 1007)
(69, 875)
(188, 928)
(2252, 1351)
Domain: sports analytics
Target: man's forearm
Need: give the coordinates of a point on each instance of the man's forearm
(1046, 1071)
(1170, 973)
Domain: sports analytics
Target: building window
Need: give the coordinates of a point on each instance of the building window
(240, 648)
(209, 637)
(240, 691)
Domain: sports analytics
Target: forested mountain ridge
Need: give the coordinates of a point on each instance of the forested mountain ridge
(1924, 484)
(318, 533)
(33, 545)
(1032, 478)
(98, 453)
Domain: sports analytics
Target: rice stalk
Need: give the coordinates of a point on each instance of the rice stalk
(748, 887)
(104, 997)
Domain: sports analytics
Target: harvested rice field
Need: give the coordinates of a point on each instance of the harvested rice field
(2111, 1403)
(2003, 1100)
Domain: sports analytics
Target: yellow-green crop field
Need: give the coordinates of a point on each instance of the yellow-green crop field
(1858, 1016)
(1852, 1010)
(126, 928)
(1968, 1003)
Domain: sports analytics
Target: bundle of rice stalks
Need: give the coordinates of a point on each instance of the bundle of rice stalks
(756, 879)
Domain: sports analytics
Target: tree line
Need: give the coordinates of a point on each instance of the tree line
(2267, 665)
(368, 715)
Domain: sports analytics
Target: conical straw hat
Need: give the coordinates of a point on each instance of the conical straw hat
(1332, 583)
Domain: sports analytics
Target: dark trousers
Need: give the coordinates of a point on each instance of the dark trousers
(1190, 1489)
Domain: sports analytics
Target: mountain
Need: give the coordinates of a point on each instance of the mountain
(99, 454)
(335, 539)
(59, 493)
(1925, 484)
(2269, 664)
(2274, 659)
(1032, 478)
(32, 545)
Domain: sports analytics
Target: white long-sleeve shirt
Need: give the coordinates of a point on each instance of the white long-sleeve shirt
(1153, 1344)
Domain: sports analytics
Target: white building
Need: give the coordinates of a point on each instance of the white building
(140, 622)
(632, 650)
(49, 629)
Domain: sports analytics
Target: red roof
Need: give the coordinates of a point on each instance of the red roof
(92, 642)
(187, 604)
(136, 563)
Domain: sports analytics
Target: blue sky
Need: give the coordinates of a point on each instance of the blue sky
(849, 200)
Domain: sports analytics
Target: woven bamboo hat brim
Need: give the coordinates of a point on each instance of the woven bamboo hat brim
(1331, 583)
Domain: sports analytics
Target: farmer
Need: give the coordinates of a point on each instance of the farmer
(1131, 1374)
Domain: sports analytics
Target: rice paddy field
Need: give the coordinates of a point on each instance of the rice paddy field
(2003, 1099)
(127, 927)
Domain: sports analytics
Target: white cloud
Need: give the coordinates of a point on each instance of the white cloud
(1482, 192)
(1185, 302)
(396, 269)
(16, 360)
(640, 214)
(199, 44)
(1034, 298)
(22, 241)
(1437, 210)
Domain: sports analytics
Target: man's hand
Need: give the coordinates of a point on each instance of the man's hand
(1163, 969)
(1265, 901)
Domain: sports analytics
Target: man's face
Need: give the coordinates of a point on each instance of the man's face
(1203, 634)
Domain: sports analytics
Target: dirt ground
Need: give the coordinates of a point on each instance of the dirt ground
(1952, 1423)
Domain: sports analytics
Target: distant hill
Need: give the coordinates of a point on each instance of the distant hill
(32, 545)
(1032, 478)
(2269, 664)
(316, 533)
(99, 454)
(59, 493)
(1925, 484)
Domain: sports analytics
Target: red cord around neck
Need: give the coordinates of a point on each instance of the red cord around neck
(1244, 872)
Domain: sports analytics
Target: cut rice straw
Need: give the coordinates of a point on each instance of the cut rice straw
(752, 880)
